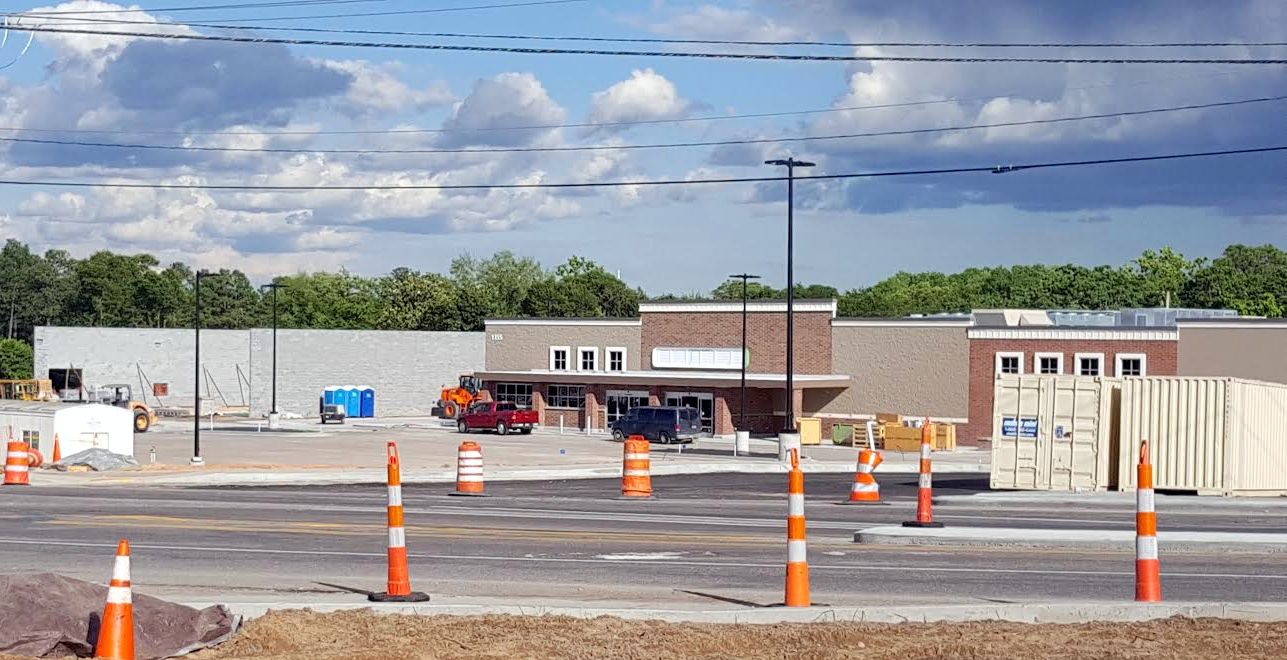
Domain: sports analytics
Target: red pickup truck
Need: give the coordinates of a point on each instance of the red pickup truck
(499, 416)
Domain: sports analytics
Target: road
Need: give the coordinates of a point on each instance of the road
(706, 539)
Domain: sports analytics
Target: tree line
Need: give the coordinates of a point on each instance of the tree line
(108, 289)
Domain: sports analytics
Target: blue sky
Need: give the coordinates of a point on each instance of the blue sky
(849, 233)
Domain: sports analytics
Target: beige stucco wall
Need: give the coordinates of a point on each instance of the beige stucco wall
(1256, 353)
(905, 368)
(524, 347)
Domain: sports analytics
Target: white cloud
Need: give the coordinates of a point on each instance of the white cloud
(715, 22)
(504, 100)
(377, 89)
(645, 96)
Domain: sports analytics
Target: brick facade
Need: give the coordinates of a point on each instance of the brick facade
(1162, 360)
(765, 337)
(727, 402)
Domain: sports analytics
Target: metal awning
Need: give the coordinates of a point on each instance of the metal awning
(667, 377)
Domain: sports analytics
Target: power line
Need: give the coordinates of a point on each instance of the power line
(638, 122)
(995, 169)
(150, 10)
(635, 53)
(221, 24)
(666, 145)
(401, 12)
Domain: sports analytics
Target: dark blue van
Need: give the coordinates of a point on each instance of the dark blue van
(664, 424)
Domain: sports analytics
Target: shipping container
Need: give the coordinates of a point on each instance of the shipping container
(1213, 436)
(1054, 433)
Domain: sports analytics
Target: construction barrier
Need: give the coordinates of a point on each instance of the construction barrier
(469, 469)
(865, 489)
(797, 569)
(399, 587)
(636, 468)
(58, 450)
(34, 458)
(925, 493)
(1148, 576)
(16, 464)
(116, 629)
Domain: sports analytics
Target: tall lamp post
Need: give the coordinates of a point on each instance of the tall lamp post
(273, 416)
(741, 440)
(790, 164)
(196, 381)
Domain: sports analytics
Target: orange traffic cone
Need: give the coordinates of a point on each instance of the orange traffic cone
(469, 470)
(1148, 577)
(116, 630)
(797, 572)
(865, 489)
(16, 464)
(636, 468)
(58, 451)
(925, 494)
(399, 589)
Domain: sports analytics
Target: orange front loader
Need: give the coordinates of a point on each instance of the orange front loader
(454, 400)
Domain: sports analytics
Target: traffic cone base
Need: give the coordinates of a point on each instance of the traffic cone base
(917, 523)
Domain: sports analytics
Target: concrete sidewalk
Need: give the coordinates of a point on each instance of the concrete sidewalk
(1039, 612)
(1070, 539)
(245, 455)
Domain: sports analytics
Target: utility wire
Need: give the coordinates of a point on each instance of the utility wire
(666, 145)
(221, 24)
(635, 53)
(998, 169)
(76, 13)
(638, 122)
(402, 12)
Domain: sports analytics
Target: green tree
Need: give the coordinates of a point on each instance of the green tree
(228, 300)
(1164, 274)
(16, 359)
(332, 301)
(418, 301)
(732, 290)
(582, 287)
(1241, 277)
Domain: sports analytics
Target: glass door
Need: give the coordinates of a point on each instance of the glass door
(704, 402)
(621, 401)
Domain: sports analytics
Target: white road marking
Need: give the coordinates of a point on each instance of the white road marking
(641, 556)
(915, 568)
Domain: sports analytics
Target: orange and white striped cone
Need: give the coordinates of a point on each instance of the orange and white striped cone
(797, 569)
(865, 489)
(636, 468)
(925, 493)
(16, 464)
(399, 589)
(116, 629)
(58, 450)
(35, 459)
(469, 470)
(1148, 575)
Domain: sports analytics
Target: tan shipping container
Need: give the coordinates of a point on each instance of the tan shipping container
(1053, 433)
(1215, 436)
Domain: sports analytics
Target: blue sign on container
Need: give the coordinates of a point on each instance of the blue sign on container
(1028, 429)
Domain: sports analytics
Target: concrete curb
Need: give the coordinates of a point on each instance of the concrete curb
(1071, 539)
(1102, 498)
(1014, 612)
(412, 476)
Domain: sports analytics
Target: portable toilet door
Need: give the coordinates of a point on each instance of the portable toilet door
(368, 401)
(329, 396)
(352, 401)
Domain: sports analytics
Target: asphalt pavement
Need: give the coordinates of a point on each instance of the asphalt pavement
(704, 539)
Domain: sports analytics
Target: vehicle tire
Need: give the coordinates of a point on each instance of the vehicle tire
(618, 435)
(526, 431)
(141, 422)
(501, 428)
(462, 427)
(663, 437)
(449, 411)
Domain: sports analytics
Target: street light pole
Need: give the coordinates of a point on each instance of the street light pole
(196, 380)
(272, 413)
(790, 164)
(741, 426)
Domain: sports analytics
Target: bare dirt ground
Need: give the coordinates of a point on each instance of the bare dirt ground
(362, 635)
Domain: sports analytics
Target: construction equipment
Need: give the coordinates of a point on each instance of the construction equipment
(27, 390)
(121, 395)
(454, 400)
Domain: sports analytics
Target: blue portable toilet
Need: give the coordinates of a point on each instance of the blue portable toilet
(352, 401)
(329, 395)
(368, 400)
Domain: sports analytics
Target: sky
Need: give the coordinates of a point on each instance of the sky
(678, 239)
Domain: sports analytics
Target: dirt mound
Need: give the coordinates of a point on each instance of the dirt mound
(362, 635)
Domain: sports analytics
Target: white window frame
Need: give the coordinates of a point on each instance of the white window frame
(996, 367)
(1087, 356)
(1117, 364)
(567, 351)
(580, 353)
(1059, 363)
(607, 358)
